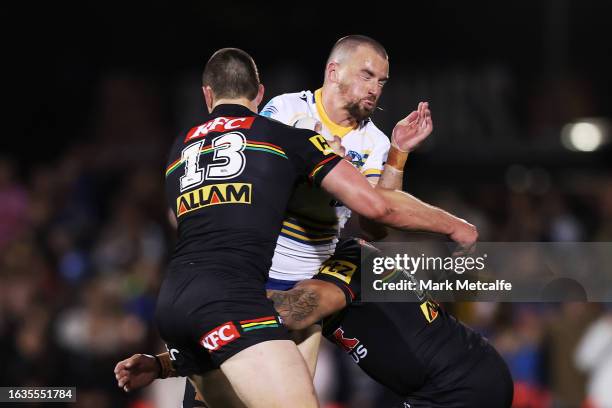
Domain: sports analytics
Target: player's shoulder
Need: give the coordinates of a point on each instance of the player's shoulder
(380, 138)
(285, 101)
(295, 97)
(277, 126)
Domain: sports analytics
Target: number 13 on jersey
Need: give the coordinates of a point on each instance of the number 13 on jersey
(228, 160)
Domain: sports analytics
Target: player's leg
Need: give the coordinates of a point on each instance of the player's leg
(308, 342)
(214, 389)
(271, 374)
(223, 319)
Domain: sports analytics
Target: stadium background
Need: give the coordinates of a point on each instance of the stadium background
(98, 91)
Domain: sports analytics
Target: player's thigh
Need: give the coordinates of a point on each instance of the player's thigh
(215, 390)
(271, 374)
(308, 342)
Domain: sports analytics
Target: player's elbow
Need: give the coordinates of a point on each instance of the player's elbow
(377, 209)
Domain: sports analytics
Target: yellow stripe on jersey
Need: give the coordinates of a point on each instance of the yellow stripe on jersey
(334, 128)
(372, 173)
(297, 227)
(369, 172)
(244, 326)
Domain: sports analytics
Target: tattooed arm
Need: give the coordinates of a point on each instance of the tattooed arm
(307, 303)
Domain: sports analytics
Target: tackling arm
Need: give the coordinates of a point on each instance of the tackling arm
(394, 208)
(307, 303)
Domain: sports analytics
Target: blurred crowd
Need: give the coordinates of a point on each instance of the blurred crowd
(84, 239)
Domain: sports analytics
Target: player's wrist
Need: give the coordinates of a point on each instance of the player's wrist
(164, 366)
(397, 158)
(459, 228)
(158, 367)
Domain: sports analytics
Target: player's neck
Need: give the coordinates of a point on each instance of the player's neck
(239, 101)
(334, 108)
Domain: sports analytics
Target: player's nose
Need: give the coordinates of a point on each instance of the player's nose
(374, 90)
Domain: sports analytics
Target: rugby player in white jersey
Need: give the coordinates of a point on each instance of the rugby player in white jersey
(356, 72)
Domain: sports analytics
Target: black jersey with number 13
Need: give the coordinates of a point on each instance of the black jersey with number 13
(228, 182)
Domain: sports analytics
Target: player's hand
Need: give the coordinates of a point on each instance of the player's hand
(336, 146)
(312, 124)
(136, 372)
(413, 129)
(465, 234)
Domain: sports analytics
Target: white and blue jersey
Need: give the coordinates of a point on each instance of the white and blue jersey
(314, 219)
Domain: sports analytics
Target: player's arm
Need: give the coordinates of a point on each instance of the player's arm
(307, 303)
(396, 209)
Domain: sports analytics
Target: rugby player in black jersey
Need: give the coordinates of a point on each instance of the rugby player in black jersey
(414, 348)
(228, 182)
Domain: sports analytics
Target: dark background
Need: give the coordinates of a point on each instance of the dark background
(540, 64)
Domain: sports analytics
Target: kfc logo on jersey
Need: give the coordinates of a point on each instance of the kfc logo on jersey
(219, 336)
(219, 124)
(350, 345)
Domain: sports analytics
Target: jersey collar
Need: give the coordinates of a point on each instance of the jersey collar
(232, 109)
(334, 128)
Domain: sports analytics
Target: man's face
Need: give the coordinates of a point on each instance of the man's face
(362, 76)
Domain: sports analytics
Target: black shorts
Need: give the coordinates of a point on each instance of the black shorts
(487, 384)
(207, 313)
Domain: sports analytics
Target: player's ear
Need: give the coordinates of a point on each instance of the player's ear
(331, 72)
(260, 95)
(209, 97)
